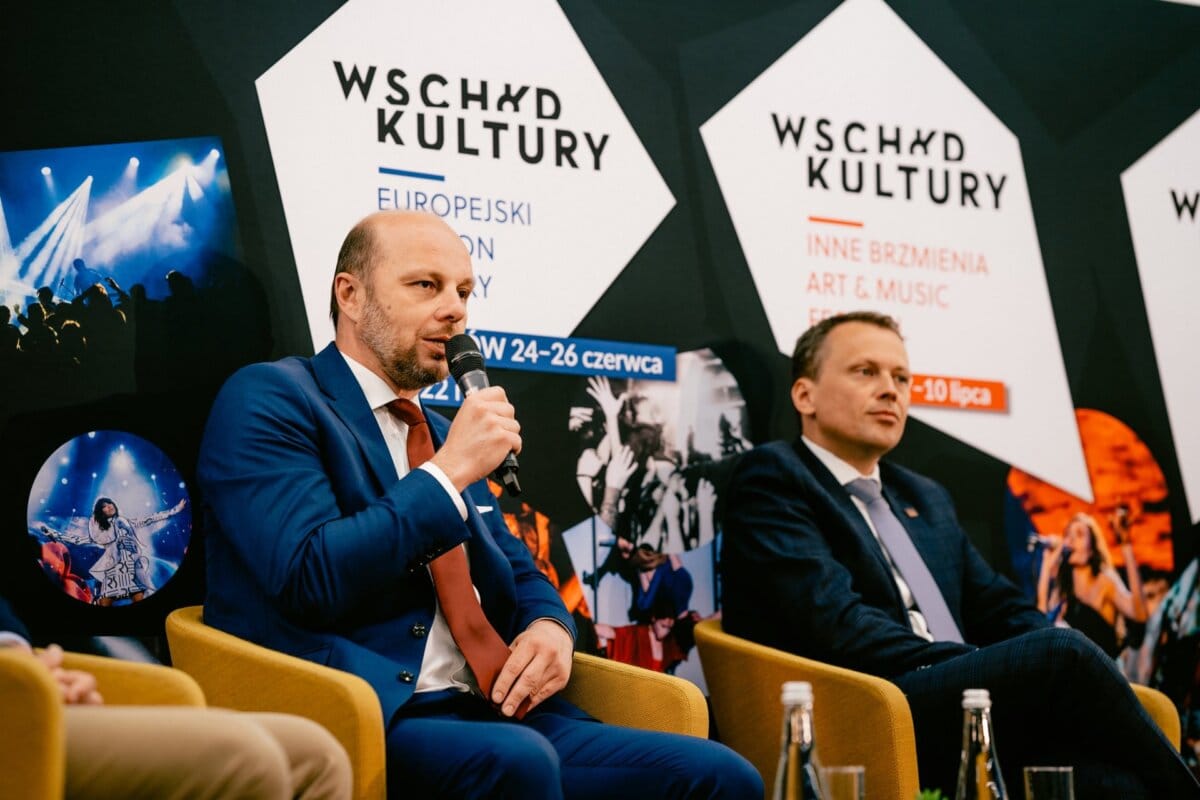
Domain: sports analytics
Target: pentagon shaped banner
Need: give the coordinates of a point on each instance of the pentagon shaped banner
(511, 135)
(860, 172)
(1162, 198)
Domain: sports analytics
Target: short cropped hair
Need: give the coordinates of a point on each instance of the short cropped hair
(357, 257)
(806, 358)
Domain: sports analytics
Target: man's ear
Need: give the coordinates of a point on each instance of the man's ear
(802, 400)
(349, 292)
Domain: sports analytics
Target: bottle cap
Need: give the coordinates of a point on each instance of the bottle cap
(797, 692)
(976, 698)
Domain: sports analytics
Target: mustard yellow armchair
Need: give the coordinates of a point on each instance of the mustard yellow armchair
(237, 674)
(32, 729)
(243, 676)
(859, 719)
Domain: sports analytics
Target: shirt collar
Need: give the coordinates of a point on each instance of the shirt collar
(843, 473)
(374, 388)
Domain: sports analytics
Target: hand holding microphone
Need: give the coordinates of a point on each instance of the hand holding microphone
(1037, 540)
(1054, 550)
(485, 432)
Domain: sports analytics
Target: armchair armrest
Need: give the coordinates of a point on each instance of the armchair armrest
(126, 683)
(620, 694)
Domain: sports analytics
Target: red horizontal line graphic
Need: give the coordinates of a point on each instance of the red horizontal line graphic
(831, 221)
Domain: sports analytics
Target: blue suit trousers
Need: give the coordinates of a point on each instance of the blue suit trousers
(453, 745)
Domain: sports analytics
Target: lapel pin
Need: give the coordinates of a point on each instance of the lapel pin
(910, 512)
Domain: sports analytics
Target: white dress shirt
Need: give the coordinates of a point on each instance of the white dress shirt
(443, 666)
(844, 473)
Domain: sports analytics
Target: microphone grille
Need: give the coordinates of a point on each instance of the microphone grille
(463, 356)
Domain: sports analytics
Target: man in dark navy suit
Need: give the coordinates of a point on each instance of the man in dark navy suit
(331, 538)
(835, 555)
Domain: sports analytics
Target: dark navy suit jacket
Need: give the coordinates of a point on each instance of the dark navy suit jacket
(317, 549)
(803, 573)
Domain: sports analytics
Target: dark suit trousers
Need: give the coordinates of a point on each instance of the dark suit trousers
(449, 744)
(1057, 700)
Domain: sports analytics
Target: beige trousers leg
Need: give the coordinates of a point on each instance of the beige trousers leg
(173, 752)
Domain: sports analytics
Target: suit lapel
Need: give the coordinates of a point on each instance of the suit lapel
(852, 517)
(906, 512)
(923, 537)
(348, 402)
(837, 493)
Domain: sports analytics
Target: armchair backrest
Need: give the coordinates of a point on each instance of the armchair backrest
(1162, 711)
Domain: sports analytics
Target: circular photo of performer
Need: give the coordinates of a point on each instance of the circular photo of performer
(112, 516)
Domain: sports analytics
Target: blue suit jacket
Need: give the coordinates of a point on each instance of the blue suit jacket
(317, 549)
(803, 573)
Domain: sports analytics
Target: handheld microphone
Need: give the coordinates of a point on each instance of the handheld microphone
(466, 365)
(1037, 540)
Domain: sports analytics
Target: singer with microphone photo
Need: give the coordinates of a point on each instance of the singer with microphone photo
(1078, 586)
(350, 526)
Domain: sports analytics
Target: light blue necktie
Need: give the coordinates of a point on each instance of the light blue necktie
(907, 560)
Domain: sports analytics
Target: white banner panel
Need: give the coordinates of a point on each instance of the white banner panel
(491, 115)
(860, 172)
(1162, 198)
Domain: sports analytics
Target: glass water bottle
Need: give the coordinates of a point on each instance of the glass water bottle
(799, 775)
(979, 770)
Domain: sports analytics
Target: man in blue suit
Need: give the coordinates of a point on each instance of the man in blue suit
(322, 540)
(833, 554)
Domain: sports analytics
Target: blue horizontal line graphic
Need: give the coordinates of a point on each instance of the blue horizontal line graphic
(407, 173)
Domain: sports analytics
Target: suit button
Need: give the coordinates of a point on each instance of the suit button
(418, 630)
(406, 677)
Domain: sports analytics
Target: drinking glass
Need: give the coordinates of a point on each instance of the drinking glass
(1049, 783)
(845, 783)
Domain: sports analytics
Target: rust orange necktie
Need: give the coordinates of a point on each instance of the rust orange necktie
(483, 648)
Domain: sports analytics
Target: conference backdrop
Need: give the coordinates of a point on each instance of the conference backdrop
(657, 199)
